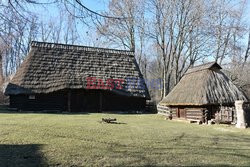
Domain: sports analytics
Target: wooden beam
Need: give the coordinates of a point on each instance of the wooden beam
(100, 101)
(69, 100)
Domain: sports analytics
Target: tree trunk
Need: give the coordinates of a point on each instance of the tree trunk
(1, 72)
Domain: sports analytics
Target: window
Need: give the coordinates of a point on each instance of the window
(32, 97)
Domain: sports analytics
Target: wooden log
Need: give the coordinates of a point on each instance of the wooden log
(194, 114)
(194, 117)
(109, 120)
(195, 121)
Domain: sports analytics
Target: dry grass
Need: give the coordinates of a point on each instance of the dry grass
(138, 140)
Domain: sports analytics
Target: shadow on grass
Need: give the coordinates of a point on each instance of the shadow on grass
(118, 123)
(177, 159)
(27, 155)
(183, 151)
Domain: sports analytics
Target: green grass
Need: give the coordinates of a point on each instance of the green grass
(139, 140)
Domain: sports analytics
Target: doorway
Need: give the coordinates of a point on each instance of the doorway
(182, 113)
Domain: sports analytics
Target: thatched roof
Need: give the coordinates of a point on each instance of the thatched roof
(204, 85)
(50, 67)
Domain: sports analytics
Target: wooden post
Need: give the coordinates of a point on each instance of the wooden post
(69, 101)
(100, 101)
(178, 113)
(206, 116)
(221, 114)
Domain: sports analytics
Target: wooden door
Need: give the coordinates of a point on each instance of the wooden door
(182, 113)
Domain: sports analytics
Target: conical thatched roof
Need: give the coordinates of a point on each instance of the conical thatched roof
(50, 67)
(204, 85)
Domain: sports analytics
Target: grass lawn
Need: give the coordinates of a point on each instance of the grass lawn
(139, 140)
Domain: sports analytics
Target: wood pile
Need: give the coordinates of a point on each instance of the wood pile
(109, 120)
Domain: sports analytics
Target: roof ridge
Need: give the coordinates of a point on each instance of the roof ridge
(201, 67)
(212, 62)
(78, 47)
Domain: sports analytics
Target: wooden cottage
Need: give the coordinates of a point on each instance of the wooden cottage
(201, 93)
(77, 78)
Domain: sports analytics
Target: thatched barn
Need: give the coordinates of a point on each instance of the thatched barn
(77, 79)
(202, 90)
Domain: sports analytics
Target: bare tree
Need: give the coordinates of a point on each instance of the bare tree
(224, 27)
(16, 35)
(122, 32)
(246, 55)
(177, 33)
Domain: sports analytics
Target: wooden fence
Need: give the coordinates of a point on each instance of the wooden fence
(164, 110)
(226, 115)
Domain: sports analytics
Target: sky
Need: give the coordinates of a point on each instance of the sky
(248, 10)
(95, 5)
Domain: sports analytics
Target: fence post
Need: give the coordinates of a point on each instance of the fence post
(240, 113)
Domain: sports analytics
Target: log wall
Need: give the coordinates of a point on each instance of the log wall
(80, 101)
(52, 102)
(188, 113)
(195, 114)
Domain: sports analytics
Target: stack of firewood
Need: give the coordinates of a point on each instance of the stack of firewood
(109, 120)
